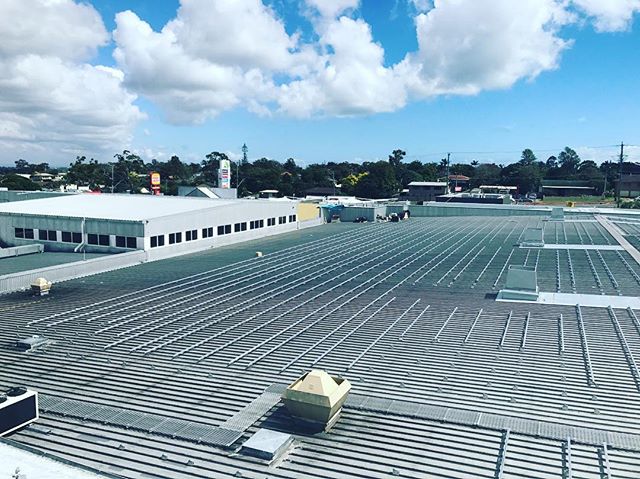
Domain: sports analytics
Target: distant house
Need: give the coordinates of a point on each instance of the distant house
(42, 177)
(566, 188)
(629, 186)
(458, 183)
(420, 191)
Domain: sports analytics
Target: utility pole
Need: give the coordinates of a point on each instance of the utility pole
(619, 199)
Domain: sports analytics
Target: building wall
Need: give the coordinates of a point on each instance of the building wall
(242, 212)
(425, 193)
(308, 211)
(350, 213)
(9, 222)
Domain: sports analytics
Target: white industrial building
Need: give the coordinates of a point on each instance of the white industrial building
(160, 225)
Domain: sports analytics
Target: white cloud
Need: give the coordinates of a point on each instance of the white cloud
(609, 15)
(351, 80)
(52, 105)
(216, 56)
(61, 28)
(199, 64)
(466, 46)
(599, 155)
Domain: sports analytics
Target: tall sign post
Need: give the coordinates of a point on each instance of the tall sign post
(224, 174)
(155, 183)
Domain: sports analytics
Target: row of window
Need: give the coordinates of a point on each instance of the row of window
(156, 241)
(192, 235)
(130, 242)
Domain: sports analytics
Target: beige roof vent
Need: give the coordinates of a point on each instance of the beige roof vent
(41, 286)
(316, 398)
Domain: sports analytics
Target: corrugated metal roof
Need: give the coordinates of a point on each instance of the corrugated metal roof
(405, 311)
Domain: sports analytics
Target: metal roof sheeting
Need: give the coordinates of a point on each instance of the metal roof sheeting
(401, 310)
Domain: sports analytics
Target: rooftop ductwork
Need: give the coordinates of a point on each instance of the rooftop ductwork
(316, 399)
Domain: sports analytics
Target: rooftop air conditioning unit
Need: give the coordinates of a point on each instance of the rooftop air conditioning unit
(18, 408)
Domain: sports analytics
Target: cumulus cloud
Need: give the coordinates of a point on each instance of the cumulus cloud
(195, 67)
(466, 46)
(51, 101)
(351, 80)
(609, 15)
(199, 64)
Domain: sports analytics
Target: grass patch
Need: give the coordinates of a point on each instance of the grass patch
(584, 200)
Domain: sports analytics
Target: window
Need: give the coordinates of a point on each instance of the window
(191, 235)
(292, 218)
(103, 240)
(244, 226)
(237, 227)
(77, 237)
(66, 237)
(271, 221)
(224, 230)
(132, 242)
(48, 235)
(282, 220)
(261, 224)
(120, 241)
(175, 238)
(252, 225)
(26, 233)
(157, 241)
(92, 239)
(207, 232)
(70, 237)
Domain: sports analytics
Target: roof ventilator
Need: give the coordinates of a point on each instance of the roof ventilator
(41, 287)
(316, 398)
(522, 284)
(32, 342)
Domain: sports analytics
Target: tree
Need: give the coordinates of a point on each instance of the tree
(87, 173)
(210, 166)
(381, 181)
(569, 162)
(527, 158)
(129, 172)
(396, 157)
(16, 182)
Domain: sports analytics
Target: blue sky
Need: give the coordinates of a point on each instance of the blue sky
(535, 93)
